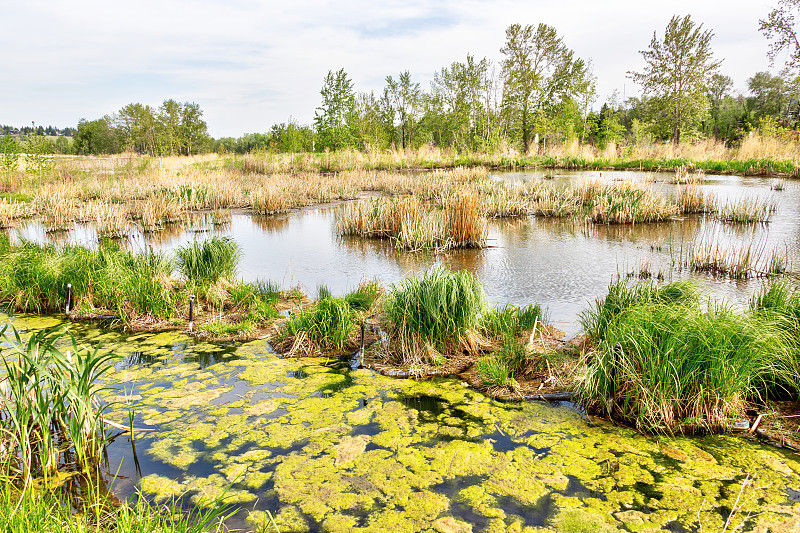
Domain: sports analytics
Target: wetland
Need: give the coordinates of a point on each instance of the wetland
(304, 444)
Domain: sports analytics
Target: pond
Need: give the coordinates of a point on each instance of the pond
(326, 449)
(559, 263)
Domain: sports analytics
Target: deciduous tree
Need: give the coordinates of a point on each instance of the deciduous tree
(677, 72)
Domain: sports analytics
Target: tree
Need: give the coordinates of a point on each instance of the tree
(9, 153)
(536, 62)
(676, 75)
(718, 88)
(769, 96)
(405, 98)
(778, 27)
(332, 117)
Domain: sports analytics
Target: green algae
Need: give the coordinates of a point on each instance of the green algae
(359, 452)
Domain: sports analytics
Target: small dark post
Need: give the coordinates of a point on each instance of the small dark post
(191, 312)
(69, 297)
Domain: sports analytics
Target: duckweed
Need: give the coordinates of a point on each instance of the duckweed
(355, 451)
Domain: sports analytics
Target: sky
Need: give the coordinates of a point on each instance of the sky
(250, 64)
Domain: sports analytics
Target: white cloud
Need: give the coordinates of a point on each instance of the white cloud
(250, 64)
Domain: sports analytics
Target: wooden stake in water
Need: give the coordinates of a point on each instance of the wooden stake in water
(69, 297)
(191, 312)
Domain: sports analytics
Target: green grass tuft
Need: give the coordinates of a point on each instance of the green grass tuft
(204, 262)
(437, 306)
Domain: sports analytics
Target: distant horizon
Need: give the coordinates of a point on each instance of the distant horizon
(250, 65)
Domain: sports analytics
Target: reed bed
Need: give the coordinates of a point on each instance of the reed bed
(208, 261)
(735, 261)
(51, 418)
(34, 278)
(12, 211)
(687, 175)
(748, 210)
(692, 200)
(413, 225)
(674, 365)
(626, 202)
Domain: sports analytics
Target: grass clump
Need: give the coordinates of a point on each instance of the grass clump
(327, 323)
(34, 278)
(673, 367)
(501, 367)
(512, 320)
(204, 262)
(364, 296)
(433, 310)
(665, 362)
(437, 306)
(623, 295)
(48, 510)
(50, 413)
(745, 211)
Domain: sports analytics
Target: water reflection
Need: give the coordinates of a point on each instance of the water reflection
(562, 263)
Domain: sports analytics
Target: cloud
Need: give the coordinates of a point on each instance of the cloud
(250, 64)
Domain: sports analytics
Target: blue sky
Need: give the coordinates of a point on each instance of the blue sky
(249, 64)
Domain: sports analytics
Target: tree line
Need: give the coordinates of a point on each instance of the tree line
(540, 94)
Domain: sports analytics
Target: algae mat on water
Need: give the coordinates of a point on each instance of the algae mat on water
(327, 450)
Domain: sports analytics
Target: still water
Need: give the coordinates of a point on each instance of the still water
(560, 263)
(327, 449)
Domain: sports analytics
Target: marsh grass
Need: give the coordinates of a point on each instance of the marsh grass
(735, 261)
(208, 261)
(501, 367)
(34, 278)
(46, 509)
(364, 297)
(745, 211)
(433, 310)
(413, 225)
(50, 411)
(691, 200)
(679, 367)
(327, 324)
(512, 320)
(623, 295)
(779, 303)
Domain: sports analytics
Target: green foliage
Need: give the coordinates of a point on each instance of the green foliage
(327, 323)
(332, 118)
(538, 71)
(364, 296)
(38, 158)
(208, 261)
(438, 306)
(500, 367)
(45, 509)
(681, 368)
(779, 28)
(676, 76)
(49, 404)
(512, 320)
(34, 278)
(9, 153)
(405, 98)
(623, 295)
